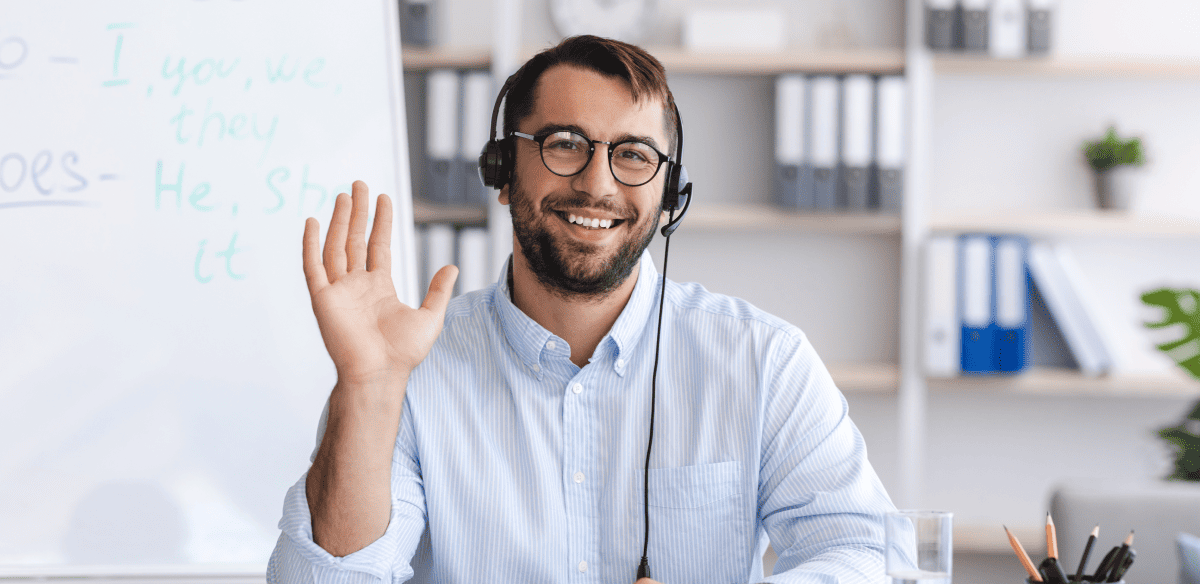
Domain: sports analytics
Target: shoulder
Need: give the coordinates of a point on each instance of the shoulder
(692, 302)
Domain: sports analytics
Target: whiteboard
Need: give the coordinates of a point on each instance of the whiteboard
(161, 372)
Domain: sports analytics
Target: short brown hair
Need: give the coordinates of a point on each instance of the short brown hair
(645, 75)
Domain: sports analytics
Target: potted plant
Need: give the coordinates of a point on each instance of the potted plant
(1179, 307)
(1111, 159)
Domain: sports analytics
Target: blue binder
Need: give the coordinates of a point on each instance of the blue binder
(1012, 313)
(976, 288)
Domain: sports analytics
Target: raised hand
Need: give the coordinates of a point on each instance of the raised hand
(370, 335)
(375, 342)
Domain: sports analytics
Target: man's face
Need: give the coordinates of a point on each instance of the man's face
(569, 258)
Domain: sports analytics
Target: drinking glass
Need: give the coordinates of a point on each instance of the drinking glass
(920, 546)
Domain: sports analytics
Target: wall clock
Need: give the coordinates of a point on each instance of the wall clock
(626, 20)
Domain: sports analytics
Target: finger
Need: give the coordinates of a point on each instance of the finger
(335, 239)
(440, 289)
(314, 272)
(379, 249)
(356, 244)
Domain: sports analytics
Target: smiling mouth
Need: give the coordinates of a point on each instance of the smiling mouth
(589, 222)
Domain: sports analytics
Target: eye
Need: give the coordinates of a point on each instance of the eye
(636, 152)
(565, 142)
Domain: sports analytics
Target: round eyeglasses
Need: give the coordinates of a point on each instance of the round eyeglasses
(632, 162)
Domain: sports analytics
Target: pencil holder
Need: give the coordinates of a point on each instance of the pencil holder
(1086, 580)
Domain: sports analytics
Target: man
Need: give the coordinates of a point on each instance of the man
(509, 446)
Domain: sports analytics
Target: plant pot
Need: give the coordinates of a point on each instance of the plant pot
(1115, 187)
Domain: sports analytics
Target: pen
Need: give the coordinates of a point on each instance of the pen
(1051, 538)
(1119, 573)
(1021, 555)
(1087, 550)
(1053, 571)
(1105, 565)
(1120, 557)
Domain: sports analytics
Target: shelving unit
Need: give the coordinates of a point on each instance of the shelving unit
(1068, 223)
(1112, 67)
(426, 212)
(715, 217)
(1070, 382)
(676, 61)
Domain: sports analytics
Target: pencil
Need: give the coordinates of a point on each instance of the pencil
(1021, 555)
(1051, 538)
(1087, 550)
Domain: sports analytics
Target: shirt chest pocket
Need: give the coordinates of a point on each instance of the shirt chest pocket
(699, 531)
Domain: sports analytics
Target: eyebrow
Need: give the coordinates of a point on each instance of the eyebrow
(551, 128)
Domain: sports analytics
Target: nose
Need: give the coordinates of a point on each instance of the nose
(597, 178)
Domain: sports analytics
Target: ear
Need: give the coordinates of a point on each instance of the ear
(503, 197)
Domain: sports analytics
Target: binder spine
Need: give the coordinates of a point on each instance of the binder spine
(793, 176)
(441, 136)
(858, 124)
(942, 328)
(976, 290)
(890, 144)
(1007, 29)
(939, 25)
(975, 26)
(1039, 18)
(477, 114)
(416, 22)
(825, 122)
(1012, 304)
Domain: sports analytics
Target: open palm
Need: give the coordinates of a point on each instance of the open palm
(369, 333)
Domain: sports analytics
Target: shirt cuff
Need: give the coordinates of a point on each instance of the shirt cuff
(298, 559)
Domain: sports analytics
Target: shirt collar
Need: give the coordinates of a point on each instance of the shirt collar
(528, 338)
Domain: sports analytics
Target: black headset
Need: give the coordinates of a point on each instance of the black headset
(496, 162)
(496, 170)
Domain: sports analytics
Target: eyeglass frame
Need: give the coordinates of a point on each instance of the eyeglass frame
(541, 141)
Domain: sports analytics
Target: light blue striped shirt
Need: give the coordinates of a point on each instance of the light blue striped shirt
(512, 464)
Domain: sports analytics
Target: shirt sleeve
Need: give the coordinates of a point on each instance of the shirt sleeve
(297, 559)
(820, 501)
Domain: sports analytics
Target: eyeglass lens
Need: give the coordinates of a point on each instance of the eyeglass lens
(632, 163)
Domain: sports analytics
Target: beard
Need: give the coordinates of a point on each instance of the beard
(571, 268)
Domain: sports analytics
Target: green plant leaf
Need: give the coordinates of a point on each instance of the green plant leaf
(1110, 152)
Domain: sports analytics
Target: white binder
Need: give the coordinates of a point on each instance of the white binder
(793, 173)
(476, 116)
(473, 259)
(825, 117)
(858, 131)
(941, 325)
(1007, 29)
(1064, 292)
(441, 135)
(890, 154)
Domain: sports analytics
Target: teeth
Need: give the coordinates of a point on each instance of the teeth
(592, 223)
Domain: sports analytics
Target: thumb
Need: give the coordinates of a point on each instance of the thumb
(440, 289)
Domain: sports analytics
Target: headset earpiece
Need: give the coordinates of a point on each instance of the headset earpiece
(495, 164)
(676, 188)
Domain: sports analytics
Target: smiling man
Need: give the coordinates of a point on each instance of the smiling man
(502, 436)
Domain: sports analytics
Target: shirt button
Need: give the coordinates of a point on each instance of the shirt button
(550, 345)
(579, 477)
(535, 367)
(620, 362)
(583, 566)
(577, 388)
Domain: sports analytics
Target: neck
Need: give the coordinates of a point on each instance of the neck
(581, 321)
